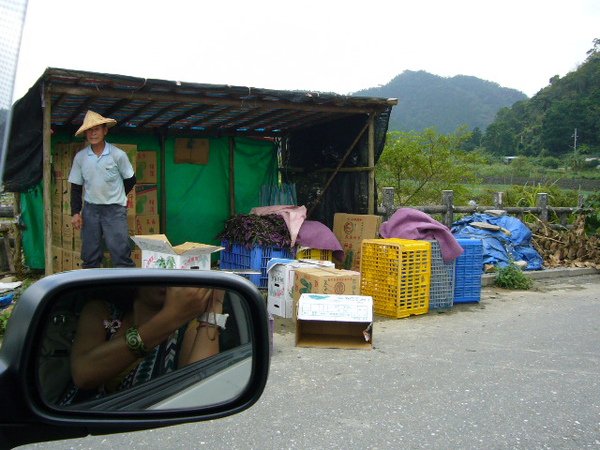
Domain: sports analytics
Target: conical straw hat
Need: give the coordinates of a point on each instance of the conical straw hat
(93, 119)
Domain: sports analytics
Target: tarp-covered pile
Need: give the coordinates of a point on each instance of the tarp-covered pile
(504, 238)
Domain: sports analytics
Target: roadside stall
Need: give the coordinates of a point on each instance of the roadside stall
(202, 154)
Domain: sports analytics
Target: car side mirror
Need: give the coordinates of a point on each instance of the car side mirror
(70, 363)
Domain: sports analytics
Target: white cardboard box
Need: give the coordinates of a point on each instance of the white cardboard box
(280, 283)
(335, 321)
(157, 252)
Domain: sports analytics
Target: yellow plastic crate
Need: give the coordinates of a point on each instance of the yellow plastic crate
(315, 253)
(397, 274)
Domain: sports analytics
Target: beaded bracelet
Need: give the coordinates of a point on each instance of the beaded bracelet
(134, 342)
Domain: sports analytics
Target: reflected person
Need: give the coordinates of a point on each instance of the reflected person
(160, 330)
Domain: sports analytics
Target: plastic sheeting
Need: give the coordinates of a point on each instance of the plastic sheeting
(24, 158)
(32, 218)
(324, 146)
(512, 242)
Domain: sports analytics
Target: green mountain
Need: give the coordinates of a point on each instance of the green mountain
(431, 101)
(561, 119)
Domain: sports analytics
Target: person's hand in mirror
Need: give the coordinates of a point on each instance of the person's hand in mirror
(122, 344)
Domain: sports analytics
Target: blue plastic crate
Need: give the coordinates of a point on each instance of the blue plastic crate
(441, 294)
(238, 256)
(467, 272)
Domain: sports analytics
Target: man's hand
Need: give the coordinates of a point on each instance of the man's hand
(77, 221)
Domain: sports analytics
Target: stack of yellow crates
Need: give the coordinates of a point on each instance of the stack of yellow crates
(396, 273)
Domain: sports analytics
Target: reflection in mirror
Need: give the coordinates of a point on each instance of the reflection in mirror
(144, 347)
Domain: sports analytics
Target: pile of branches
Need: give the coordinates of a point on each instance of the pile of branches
(566, 247)
(251, 230)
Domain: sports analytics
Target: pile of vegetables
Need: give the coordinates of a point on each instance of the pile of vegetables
(251, 229)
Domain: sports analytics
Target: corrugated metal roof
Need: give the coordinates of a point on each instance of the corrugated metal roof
(180, 107)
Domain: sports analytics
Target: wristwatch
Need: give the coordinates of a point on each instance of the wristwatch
(214, 319)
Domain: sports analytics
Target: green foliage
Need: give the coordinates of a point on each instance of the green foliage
(512, 277)
(592, 220)
(419, 165)
(6, 313)
(544, 125)
(527, 195)
(4, 316)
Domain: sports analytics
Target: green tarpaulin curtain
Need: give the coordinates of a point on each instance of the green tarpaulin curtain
(32, 218)
(197, 194)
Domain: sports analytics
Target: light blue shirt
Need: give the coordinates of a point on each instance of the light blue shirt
(102, 176)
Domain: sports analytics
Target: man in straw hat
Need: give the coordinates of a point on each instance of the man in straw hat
(102, 176)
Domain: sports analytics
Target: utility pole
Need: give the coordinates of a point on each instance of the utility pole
(575, 142)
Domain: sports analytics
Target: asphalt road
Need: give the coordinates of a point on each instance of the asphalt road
(519, 370)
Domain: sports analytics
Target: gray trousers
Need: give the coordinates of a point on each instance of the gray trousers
(108, 222)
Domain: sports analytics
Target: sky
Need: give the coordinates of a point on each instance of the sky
(324, 46)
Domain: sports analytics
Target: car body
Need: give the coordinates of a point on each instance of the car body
(221, 385)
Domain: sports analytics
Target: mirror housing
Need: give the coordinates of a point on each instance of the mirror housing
(30, 418)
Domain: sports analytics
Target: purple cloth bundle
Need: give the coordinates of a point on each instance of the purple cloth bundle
(408, 223)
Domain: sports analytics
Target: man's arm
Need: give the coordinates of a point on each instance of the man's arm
(76, 205)
(76, 198)
(129, 183)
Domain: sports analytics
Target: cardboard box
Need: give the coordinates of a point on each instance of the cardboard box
(131, 199)
(334, 321)
(131, 150)
(76, 261)
(66, 197)
(56, 195)
(281, 272)
(67, 233)
(67, 260)
(136, 255)
(131, 225)
(325, 280)
(192, 150)
(148, 224)
(157, 252)
(146, 199)
(147, 167)
(64, 157)
(77, 241)
(57, 161)
(351, 229)
(57, 259)
(57, 231)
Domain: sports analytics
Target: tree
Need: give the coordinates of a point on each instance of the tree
(421, 164)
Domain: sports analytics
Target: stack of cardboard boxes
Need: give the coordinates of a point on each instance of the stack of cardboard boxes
(142, 202)
(325, 301)
(144, 216)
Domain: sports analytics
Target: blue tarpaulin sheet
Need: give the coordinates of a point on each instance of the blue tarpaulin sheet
(511, 242)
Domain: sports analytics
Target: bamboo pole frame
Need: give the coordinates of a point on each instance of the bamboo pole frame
(47, 176)
(371, 163)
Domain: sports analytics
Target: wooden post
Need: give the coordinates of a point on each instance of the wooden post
(448, 203)
(46, 170)
(17, 257)
(388, 202)
(371, 164)
(499, 200)
(231, 176)
(542, 202)
(162, 180)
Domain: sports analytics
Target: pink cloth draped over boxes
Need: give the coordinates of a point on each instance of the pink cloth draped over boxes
(307, 233)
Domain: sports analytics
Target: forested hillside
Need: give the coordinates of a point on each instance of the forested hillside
(431, 101)
(563, 118)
